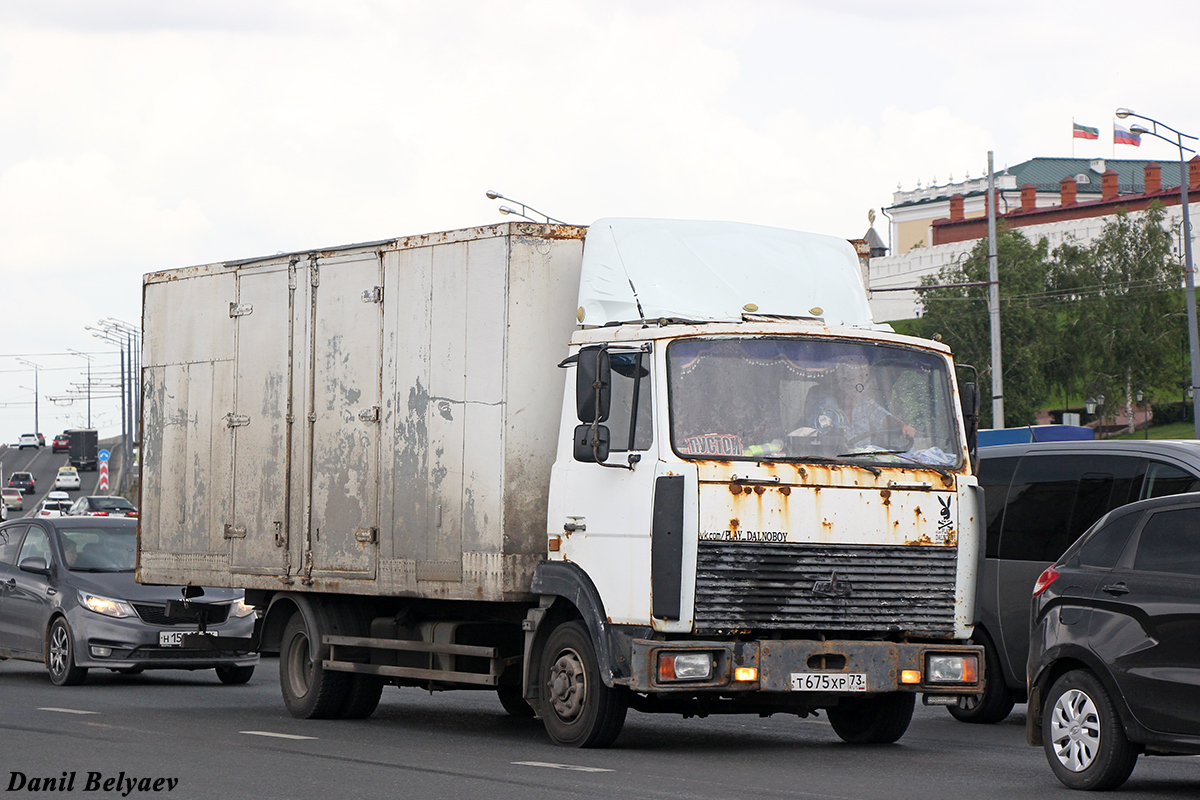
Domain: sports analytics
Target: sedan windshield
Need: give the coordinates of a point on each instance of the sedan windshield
(99, 549)
(796, 399)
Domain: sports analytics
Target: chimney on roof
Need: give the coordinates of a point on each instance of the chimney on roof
(1108, 185)
(1028, 197)
(1153, 178)
(1193, 171)
(1066, 189)
(956, 208)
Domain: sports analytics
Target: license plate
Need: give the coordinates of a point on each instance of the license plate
(175, 638)
(829, 682)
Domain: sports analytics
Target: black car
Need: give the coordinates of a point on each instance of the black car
(68, 599)
(1039, 498)
(103, 505)
(23, 481)
(1114, 655)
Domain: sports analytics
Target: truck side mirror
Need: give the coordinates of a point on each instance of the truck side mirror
(593, 384)
(591, 447)
(969, 395)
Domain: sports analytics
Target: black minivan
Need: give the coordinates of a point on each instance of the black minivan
(1039, 498)
(1114, 657)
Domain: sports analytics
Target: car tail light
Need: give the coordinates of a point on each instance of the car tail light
(1044, 580)
(131, 513)
(98, 514)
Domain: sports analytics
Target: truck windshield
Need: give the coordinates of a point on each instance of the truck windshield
(796, 399)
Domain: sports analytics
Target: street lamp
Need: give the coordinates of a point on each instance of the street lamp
(36, 367)
(494, 195)
(89, 382)
(1189, 277)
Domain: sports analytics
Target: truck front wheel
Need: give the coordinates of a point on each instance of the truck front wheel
(576, 707)
(878, 719)
(309, 691)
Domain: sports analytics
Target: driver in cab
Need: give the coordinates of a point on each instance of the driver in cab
(847, 409)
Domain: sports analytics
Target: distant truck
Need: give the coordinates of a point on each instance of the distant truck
(82, 449)
(587, 476)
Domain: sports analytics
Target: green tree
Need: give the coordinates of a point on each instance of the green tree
(1121, 311)
(1028, 331)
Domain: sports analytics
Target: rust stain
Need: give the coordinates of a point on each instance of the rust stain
(803, 472)
(759, 489)
(826, 524)
(734, 524)
(886, 494)
(785, 490)
(735, 488)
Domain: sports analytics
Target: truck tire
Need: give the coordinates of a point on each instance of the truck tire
(513, 702)
(1082, 734)
(362, 696)
(879, 719)
(309, 692)
(997, 699)
(576, 707)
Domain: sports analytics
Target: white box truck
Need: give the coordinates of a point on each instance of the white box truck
(663, 465)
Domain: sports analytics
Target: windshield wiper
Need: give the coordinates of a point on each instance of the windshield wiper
(828, 460)
(899, 454)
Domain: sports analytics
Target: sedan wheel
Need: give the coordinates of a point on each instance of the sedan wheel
(1082, 734)
(60, 656)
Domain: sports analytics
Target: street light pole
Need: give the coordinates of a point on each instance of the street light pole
(89, 383)
(36, 367)
(1188, 271)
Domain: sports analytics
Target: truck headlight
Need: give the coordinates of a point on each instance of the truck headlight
(684, 666)
(952, 669)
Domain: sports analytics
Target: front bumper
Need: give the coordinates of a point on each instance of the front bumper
(130, 643)
(775, 662)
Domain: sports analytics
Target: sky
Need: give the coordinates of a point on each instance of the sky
(141, 135)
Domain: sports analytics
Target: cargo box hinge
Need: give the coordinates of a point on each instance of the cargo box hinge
(366, 535)
(236, 420)
(374, 295)
(369, 414)
(240, 309)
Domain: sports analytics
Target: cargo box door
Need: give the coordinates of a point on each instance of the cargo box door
(346, 340)
(258, 529)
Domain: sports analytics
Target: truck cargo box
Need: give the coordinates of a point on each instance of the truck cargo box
(375, 419)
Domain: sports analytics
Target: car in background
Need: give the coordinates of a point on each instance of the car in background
(1039, 498)
(1115, 643)
(78, 606)
(28, 440)
(60, 444)
(41, 440)
(14, 499)
(56, 504)
(23, 481)
(103, 506)
(67, 478)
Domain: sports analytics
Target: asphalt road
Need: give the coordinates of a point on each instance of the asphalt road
(44, 465)
(238, 742)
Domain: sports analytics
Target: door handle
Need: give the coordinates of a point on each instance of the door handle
(1116, 589)
(51, 591)
(11, 583)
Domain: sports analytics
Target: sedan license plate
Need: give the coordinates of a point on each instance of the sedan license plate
(175, 638)
(829, 682)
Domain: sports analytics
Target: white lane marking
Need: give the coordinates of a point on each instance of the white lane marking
(572, 767)
(277, 735)
(68, 711)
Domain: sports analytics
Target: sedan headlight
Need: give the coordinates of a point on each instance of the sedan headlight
(106, 605)
(241, 609)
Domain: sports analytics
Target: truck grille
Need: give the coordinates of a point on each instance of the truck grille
(157, 615)
(877, 588)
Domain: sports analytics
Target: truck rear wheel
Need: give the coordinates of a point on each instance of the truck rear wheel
(309, 691)
(879, 719)
(576, 707)
(362, 696)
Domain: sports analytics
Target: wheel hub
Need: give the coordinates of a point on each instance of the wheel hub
(568, 685)
(1075, 730)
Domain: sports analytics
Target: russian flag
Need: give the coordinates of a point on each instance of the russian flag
(1123, 136)
(1084, 132)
